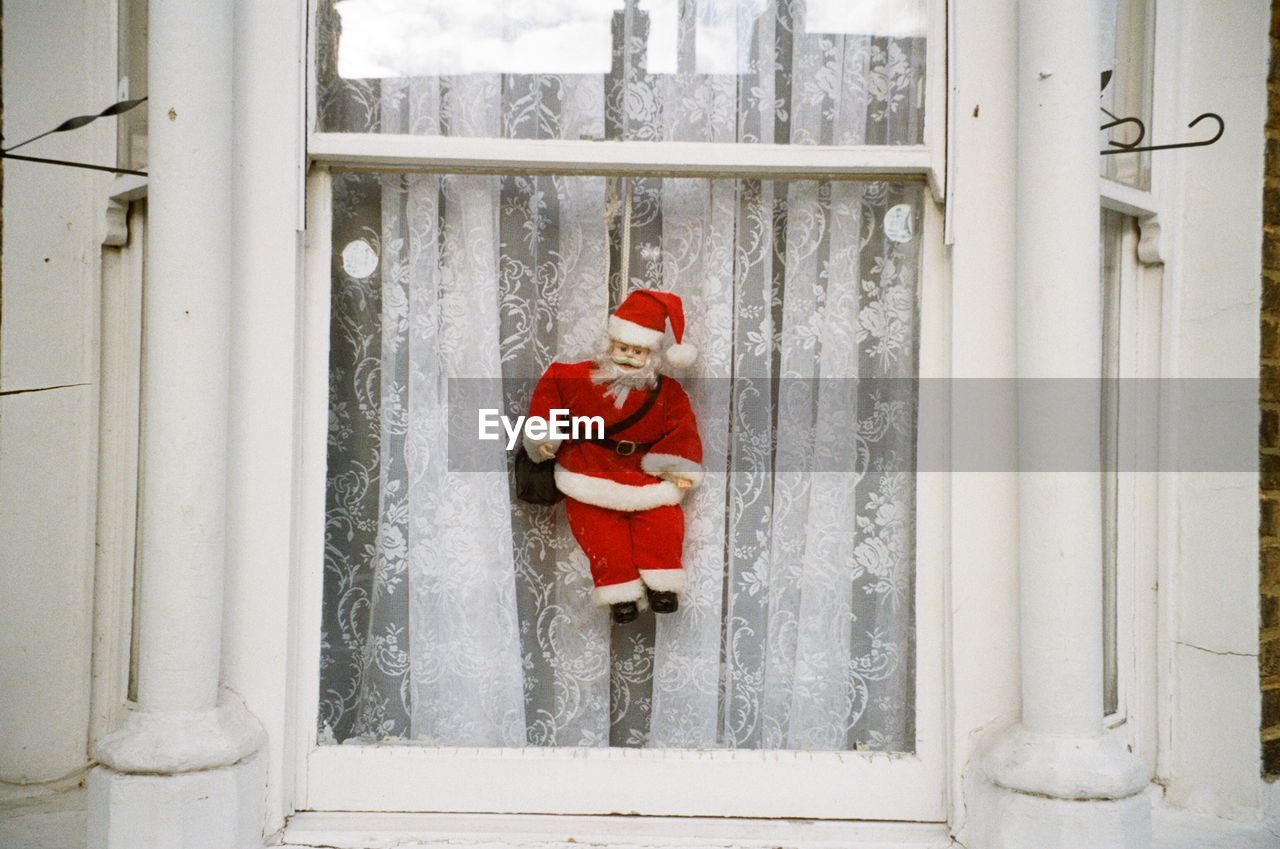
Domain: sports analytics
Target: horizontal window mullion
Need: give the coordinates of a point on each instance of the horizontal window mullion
(446, 154)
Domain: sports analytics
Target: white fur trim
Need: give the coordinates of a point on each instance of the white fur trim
(618, 593)
(631, 333)
(663, 580)
(531, 445)
(657, 464)
(603, 492)
(681, 355)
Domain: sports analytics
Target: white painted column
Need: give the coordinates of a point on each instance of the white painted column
(185, 377)
(182, 729)
(1048, 768)
(1059, 335)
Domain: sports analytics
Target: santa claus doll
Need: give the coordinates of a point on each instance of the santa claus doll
(623, 490)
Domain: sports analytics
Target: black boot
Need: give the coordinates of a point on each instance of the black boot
(664, 602)
(625, 612)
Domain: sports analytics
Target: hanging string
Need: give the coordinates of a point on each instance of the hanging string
(626, 237)
(611, 204)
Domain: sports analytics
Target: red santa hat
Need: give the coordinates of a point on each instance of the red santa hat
(642, 320)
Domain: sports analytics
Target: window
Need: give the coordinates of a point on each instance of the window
(1131, 367)
(823, 72)
(132, 73)
(117, 564)
(1132, 302)
(1127, 48)
(466, 224)
(1115, 238)
(798, 625)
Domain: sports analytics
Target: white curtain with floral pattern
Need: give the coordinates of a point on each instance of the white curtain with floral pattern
(455, 615)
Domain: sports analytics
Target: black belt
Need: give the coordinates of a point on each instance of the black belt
(623, 447)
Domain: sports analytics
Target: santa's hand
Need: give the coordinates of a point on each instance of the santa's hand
(547, 450)
(682, 483)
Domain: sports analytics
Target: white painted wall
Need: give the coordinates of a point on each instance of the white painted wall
(45, 504)
(1212, 757)
(59, 61)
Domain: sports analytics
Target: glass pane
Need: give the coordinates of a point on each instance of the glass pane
(131, 127)
(1113, 228)
(826, 72)
(1127, 41)
(455, 614)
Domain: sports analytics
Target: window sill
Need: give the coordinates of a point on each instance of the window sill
(406, 830)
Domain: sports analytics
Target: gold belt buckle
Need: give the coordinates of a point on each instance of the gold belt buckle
(628, 445)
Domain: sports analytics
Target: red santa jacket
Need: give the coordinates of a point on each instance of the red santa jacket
(600, 475)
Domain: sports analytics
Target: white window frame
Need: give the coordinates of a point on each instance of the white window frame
(115, 573)
(1140, 513)
(119, 422)
(734, 783)
(572, 157)
(1135, 521)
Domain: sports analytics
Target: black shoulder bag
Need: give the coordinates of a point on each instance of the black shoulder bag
(536, 482)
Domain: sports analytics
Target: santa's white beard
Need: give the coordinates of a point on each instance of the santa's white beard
(621, 379)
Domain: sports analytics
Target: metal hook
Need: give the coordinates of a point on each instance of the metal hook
(1125, 146)
(1204, 143)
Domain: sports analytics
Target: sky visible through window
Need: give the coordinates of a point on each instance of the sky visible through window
(395, 38)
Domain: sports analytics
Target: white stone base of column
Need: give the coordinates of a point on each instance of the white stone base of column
(211, 809)
(1064, 766)
(1008, 819)
(182, 741)
(1044, 791)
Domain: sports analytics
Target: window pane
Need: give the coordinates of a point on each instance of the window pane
(455, 614)
(1113, 230)
(1126, 54)
(131, 59)
(826, 72)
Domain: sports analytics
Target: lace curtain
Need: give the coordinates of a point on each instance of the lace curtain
(455, 615)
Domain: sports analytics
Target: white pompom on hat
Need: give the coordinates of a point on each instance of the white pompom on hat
(642, 320)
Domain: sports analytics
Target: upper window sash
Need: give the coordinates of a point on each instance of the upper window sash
(854, 124)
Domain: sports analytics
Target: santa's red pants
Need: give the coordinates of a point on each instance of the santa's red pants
(629, 550)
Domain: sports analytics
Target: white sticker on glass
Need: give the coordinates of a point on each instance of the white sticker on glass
(359, 259)
(897, 223)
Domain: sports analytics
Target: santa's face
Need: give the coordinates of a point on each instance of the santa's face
(628, 357)
(625, 367)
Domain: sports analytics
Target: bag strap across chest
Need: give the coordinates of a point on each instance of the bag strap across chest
(640, 413)
(626, 447)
